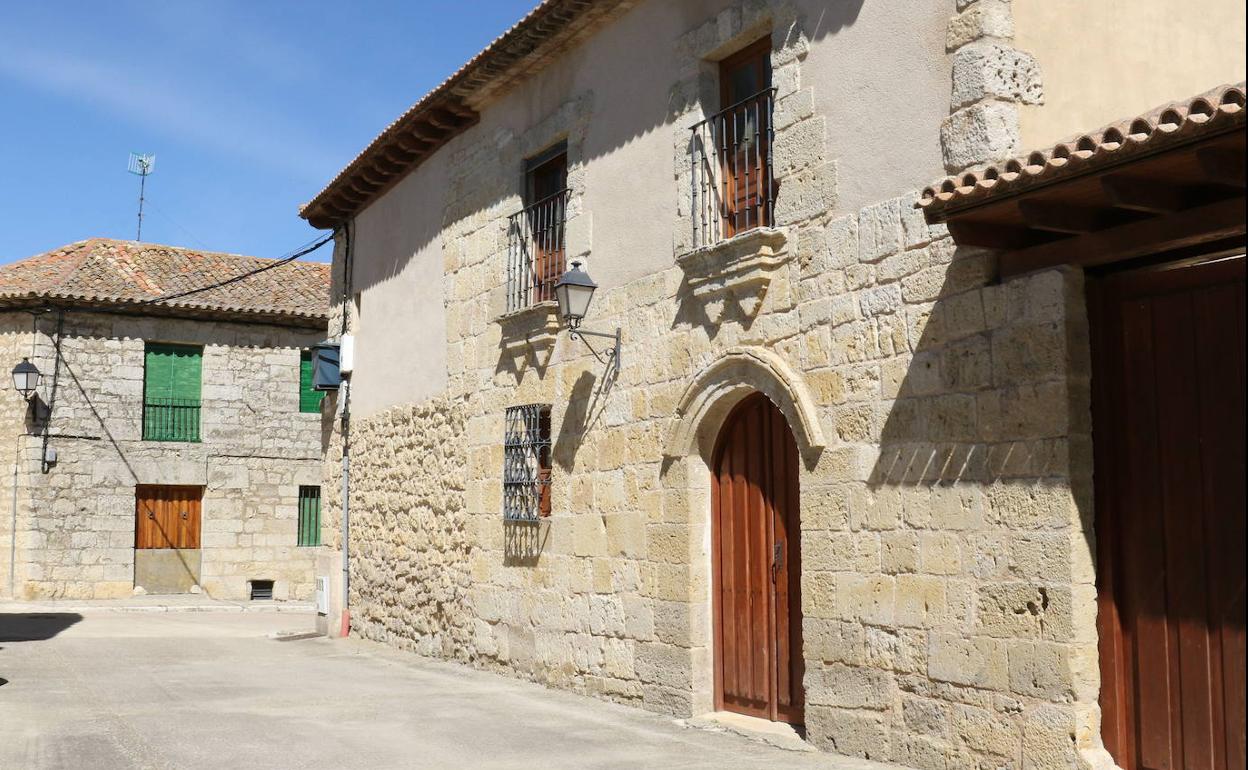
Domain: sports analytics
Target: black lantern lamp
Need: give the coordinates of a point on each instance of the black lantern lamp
(574, 291)
(26, 378)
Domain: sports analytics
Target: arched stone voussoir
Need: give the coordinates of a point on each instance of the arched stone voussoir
(739, 372)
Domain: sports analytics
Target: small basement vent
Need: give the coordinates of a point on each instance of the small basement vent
(261, 590)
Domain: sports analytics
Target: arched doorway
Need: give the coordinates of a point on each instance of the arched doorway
(756, 564)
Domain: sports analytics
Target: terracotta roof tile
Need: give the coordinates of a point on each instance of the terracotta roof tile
(1215, 112)
(112, 272)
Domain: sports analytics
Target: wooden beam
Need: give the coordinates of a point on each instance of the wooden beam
(989, 235)
(1061, 217)
(1222, 165)
(374, 176)
(1139, 194)
(1201, 224)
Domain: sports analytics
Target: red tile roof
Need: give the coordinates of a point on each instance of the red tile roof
(1213, 113)
(122, 273)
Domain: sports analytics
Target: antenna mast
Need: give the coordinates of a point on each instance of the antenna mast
(141, 166)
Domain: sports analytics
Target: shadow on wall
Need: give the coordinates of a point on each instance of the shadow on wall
(997, 385)
(523, 542)
(585, 406)
(34, 626)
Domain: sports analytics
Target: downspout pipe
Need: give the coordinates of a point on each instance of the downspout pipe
(346, 508)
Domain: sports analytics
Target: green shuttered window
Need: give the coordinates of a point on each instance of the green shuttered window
(309, 516)
(309, 397)
(171, 392)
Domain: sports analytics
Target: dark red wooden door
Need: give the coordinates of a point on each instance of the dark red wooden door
(167, 516)
(1170, 515)
(757, 565)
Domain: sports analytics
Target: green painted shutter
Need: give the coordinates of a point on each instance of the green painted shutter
(309, 397)
(171, 392)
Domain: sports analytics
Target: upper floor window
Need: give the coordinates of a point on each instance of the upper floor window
(526, 462)
(535, 244)
(171, 392)
(733, 186)
(309, 396)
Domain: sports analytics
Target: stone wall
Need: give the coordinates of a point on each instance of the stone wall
(942, 419)
(76, 525)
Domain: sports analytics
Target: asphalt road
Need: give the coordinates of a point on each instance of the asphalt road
(107, 689)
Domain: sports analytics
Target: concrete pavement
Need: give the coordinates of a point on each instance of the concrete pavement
(92, 688)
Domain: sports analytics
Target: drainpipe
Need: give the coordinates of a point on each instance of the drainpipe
(346, 507)
(13, 530)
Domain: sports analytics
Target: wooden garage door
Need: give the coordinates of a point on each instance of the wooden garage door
(1170, 515)
(167, 516)
(757, 565)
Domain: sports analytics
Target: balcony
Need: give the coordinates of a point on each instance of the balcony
(536, 251)
(733, 187)
(171, 419)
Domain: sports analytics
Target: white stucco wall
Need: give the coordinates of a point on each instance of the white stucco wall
(398, 275)
(880, 78)
(1114, 59)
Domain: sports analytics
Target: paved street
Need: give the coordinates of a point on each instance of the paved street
(94, 688)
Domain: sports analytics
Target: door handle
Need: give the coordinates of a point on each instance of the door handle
(184, 514)
(777, 560)
(151, 515)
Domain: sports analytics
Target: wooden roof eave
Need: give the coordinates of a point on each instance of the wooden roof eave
(1177, 198)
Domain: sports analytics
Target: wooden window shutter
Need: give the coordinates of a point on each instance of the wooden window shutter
(171, 392)
(309, 397)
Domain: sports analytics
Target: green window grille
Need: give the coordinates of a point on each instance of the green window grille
(309, 516)
(171, 392)
(309, 397)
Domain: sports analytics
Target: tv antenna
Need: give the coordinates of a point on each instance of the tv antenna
(141, 166)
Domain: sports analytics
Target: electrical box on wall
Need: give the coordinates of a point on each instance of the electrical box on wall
(346, 354)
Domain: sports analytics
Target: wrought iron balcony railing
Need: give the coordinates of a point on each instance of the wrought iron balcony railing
(170, 419)
(733, 187)
(536, 251)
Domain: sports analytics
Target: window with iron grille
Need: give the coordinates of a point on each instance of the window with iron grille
(171, 392)
(535, 234)
(733, 188)
(309, 516)
(526, 463)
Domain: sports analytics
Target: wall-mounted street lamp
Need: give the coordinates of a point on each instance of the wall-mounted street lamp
(26, 378)
(574, 291)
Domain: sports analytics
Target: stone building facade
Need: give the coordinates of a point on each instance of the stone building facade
(75, 314)
(942, 416)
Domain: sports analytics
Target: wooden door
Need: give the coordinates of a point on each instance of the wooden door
(742, 137)
(167, 516)
(1169, 434)
(756, 565)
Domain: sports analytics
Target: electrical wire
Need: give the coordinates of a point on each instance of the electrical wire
(305, 250)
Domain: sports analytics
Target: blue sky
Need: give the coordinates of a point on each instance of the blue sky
(250, 108)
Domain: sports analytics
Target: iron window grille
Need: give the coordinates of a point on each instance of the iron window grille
(536, 252)
(526, 463)
(733, 188)
(171, 419)
(309, 533)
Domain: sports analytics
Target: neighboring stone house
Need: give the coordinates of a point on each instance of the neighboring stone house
(169, 445)
(842, 473)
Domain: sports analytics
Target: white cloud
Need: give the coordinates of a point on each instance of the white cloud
(227, 124)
